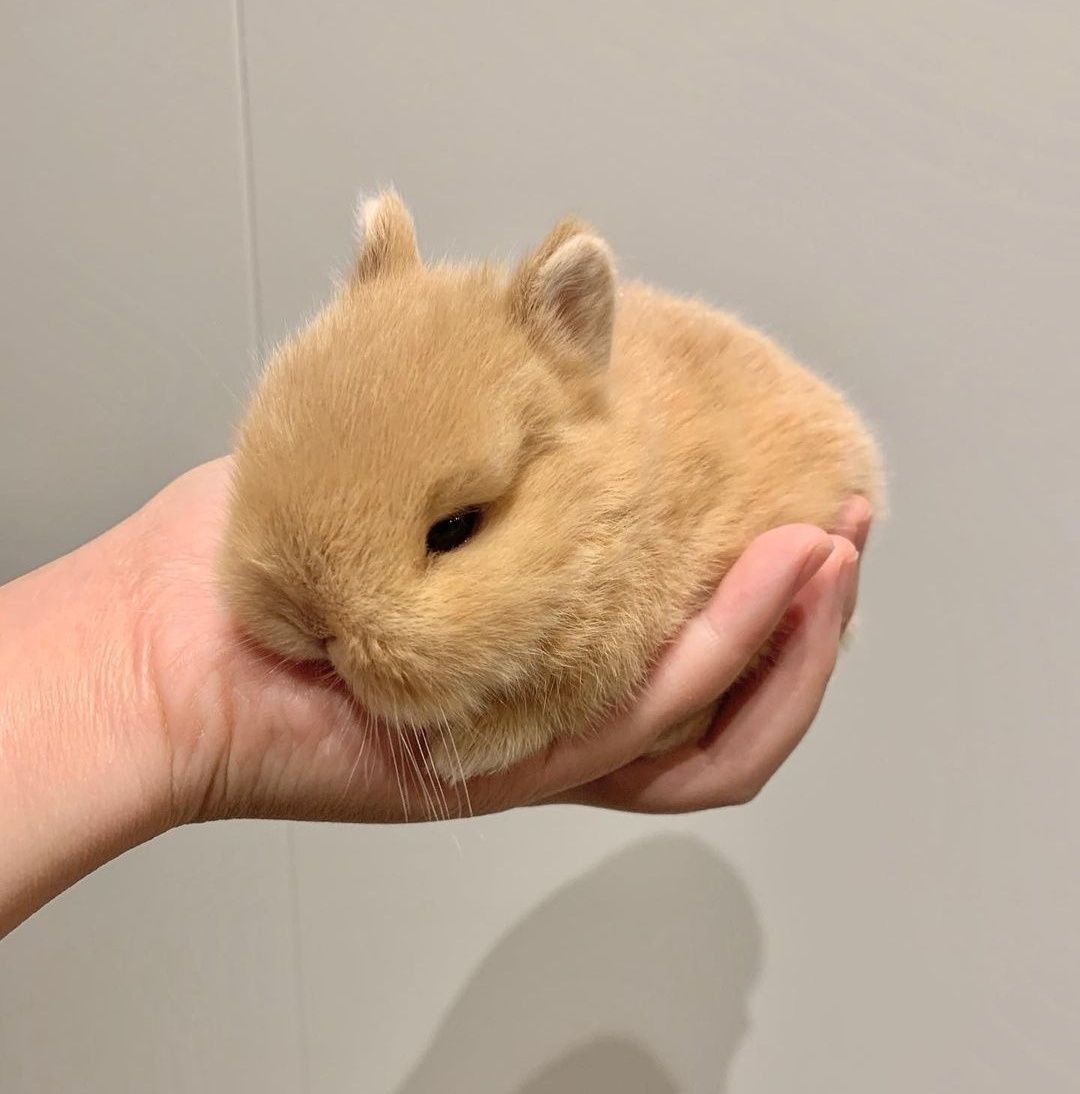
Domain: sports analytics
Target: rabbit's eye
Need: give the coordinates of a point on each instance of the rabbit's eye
(452, 531)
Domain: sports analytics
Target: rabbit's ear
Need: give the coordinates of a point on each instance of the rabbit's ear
(387, 239)
(564, 292)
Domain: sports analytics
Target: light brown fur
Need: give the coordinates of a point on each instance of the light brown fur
(625, 445)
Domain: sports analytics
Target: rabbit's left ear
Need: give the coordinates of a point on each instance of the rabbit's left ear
(564, 292)
(387, 239)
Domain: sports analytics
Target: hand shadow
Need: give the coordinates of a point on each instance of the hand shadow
(632, 979)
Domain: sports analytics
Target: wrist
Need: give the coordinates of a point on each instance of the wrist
(84, 766)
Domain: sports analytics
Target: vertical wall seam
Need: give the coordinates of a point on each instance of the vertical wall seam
(247, 196)
(255, 326)
(297, 952)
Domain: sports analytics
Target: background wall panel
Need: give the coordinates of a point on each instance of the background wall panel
(890, 191)
(125, 335)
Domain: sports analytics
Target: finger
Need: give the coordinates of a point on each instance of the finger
(853, 523)
(766, 723)
(850, 591)
(762, 720)
(708, 656)
(862, 528)
(714, 649)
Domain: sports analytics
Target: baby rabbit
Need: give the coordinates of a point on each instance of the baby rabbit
(487, 497)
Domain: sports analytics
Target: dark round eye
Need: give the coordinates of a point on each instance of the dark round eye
(452, 531)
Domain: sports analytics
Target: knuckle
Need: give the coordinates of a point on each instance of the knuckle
(744, 789)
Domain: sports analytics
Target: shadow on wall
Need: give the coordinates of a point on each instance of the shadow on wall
(607, 1064)
(632, 979)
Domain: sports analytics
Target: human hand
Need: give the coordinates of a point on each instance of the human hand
(249, 735)
(764, 716)
(132, 704)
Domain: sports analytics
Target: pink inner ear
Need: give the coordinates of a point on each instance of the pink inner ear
(576, 288)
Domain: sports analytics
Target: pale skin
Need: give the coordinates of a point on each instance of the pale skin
(131, 705)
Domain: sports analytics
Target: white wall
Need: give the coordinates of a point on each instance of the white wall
(891, 189)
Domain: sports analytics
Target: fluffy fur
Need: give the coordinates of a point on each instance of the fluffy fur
(625, 446)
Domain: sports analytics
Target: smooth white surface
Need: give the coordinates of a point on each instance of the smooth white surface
(125, 329)
(891, 191)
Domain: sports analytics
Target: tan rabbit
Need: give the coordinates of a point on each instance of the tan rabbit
(488, 497)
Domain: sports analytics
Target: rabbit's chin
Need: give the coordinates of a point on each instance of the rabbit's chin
(456, 757)
(454, 761)
(454, 746)
(448, 763)
(486, 745)
(456, 742)
(408, 711)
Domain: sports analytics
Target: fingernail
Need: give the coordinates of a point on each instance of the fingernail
(860, 509)
(853, 520)
(851, 552)
(844, 589)
(814, 561)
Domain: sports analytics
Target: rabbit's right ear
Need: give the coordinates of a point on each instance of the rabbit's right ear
(564, 292)
(386, 237)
